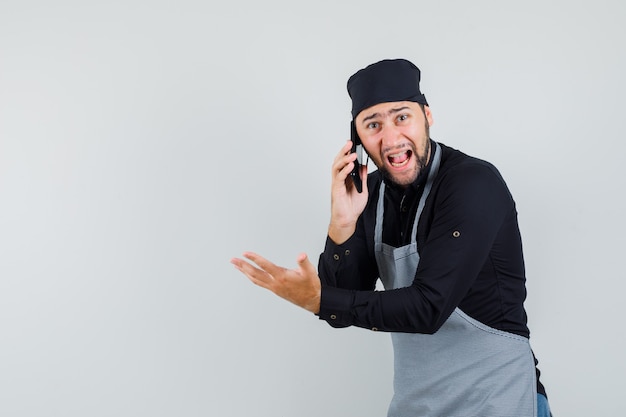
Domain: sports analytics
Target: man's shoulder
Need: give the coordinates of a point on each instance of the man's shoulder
(457, 163)
(461, 171)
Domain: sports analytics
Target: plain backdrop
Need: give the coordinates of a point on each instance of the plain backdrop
(145, 143)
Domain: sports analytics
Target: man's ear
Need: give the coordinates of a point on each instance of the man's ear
(429, 116)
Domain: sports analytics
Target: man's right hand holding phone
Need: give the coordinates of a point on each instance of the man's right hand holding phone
(347, 203)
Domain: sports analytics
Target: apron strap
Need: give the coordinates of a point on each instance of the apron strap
(380, 206)
(434, 169)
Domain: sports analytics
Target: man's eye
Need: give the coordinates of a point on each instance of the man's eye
(403, 117)
(372, 125)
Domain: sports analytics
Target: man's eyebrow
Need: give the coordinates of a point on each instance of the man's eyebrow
(392, 111)
(398, 109)
(371, 116)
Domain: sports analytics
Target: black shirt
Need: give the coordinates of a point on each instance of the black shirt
(470, 255)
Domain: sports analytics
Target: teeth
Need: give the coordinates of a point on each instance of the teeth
(396, 156)
(400, 164)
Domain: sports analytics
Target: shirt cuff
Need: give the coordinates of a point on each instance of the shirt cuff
(336, 306)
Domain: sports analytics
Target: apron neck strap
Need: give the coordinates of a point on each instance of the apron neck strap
(380, 206)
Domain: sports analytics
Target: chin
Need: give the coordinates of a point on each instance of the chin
(402, 180)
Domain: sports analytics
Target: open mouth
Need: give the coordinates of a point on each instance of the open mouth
(400, 159)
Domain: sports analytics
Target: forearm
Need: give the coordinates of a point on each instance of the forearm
(414, 309)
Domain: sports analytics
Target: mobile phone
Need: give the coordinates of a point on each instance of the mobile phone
(361, 157)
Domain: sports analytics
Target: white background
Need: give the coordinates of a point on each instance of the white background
(145, 143)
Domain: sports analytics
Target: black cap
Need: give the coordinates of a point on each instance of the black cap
(385, 81)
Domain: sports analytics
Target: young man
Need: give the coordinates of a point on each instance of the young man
(439, 229)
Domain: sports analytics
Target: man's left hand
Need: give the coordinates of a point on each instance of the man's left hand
(300, 286)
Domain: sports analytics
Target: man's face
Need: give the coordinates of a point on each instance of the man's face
(396, 136)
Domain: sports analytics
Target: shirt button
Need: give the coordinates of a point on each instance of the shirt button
(333, 317)
(347, 252)
(374, 329)
(456, 233)
(336, 257)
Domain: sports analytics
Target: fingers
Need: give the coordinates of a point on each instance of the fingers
(305, 265)
(342, 165)
(263, 263)
(267, 272)
(265, 275)
(345, 149)
(258, 276)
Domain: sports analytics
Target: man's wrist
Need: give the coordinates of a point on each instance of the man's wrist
(314, 306)
(339, 234)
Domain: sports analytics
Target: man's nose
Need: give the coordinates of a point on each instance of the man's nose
(391, 136)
